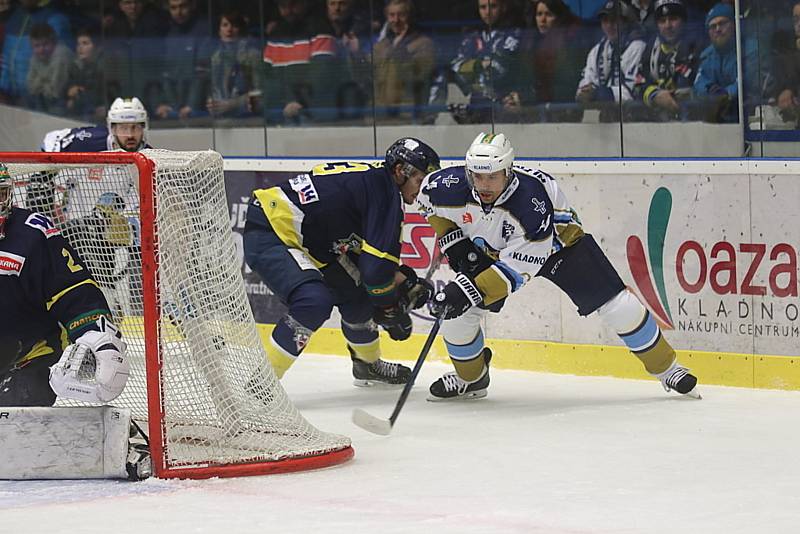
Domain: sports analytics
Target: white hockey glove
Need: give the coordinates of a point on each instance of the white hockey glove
(93, 369)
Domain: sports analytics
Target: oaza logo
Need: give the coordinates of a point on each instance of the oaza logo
(725, 268)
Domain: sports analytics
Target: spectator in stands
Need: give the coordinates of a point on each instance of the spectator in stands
(184, 74)
(669, 63)
(610, 71)
(133, 41)
(488, 64)
(787, 70)
(351, 28)
(299, 58)
(17, 49)
(234, 68)
(404, 64)
(646, 15)
(717, 79)
(553, 54)
(48, 71)
(86, 97)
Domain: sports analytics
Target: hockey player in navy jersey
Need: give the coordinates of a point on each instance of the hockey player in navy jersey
(50, 299)
(331, 237)
(126, 129)
(501, 225)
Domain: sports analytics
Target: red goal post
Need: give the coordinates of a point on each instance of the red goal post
(153, 227)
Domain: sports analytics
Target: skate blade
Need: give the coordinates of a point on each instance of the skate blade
(367, 383)
(694, 394)
(370, 423)
(471, 396)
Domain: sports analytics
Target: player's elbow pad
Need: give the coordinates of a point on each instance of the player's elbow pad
(462, 254)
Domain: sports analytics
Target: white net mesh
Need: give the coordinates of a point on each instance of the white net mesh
(221, 401)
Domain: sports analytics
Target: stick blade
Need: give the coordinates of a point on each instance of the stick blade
(370, 423)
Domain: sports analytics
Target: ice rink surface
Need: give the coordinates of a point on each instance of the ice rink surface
(542, 454)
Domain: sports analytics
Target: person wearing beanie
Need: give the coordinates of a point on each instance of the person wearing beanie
(669, 63)
(717, 80)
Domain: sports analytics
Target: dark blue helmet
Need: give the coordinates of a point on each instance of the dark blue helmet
(414, 152)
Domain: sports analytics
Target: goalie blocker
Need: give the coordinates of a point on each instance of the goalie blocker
(71, 443)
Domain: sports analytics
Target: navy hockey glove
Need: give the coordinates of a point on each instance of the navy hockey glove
(462, 254)
(414, 291)
(394, 320)
(456, 298)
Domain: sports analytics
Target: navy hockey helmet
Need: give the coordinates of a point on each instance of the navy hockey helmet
(6, 193)
(413, 152)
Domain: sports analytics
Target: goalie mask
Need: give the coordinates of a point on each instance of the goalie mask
(412, 154)
(6, 194)
(488, 154)
(125, 117)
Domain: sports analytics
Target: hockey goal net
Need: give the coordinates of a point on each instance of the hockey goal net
(154, 230)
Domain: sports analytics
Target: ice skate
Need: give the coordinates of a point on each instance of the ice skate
(451, 387)
(678, 378)
(379, 372)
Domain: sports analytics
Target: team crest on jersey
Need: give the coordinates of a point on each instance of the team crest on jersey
(507, 231)
(43, 224)
(466, 218)
(304, 187)
(11, 264)
(83, 134)
(450, 179)
(539, 205)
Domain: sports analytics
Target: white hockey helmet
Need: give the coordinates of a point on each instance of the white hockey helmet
(127, 111)
(489, 153)
(6, 193)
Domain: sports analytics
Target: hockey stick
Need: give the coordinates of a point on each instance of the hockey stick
(383, 427)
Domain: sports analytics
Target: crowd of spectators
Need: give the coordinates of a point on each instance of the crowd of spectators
(329, 61)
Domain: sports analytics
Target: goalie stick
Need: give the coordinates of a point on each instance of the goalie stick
(383, 427)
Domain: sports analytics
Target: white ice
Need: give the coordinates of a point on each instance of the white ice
(542, 454)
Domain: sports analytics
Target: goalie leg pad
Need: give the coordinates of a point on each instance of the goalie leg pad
(64, 443)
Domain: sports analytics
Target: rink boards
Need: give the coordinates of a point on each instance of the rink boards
(710, 246)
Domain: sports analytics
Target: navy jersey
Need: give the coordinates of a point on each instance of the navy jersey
(340, 208)
(83, 139)
(531, 219)
(45, 286)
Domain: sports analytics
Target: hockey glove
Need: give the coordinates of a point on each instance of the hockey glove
(93, 369)
(394, 320)
(462, 254)
(414, 291)
(456, 298)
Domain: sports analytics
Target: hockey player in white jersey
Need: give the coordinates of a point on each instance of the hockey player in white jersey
(501, 225)
(126, 129)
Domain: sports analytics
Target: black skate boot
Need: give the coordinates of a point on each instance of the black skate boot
(678, 378)
(378, 372)
(452, 387)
